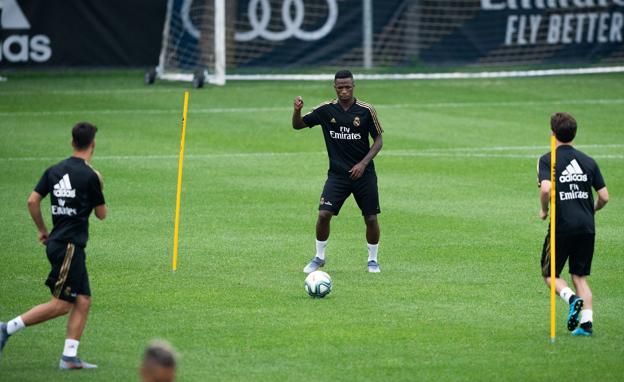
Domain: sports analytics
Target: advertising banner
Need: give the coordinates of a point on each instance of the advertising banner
(80, 32)
(529, 31)
(283, 34)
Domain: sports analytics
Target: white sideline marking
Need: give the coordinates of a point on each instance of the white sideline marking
(427, 76)
(234, 110)
(506, 148)
(329, 77)
(467, 152)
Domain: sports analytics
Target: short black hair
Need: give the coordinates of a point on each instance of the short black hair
(564, 127)
(343, 74)
(83, 134)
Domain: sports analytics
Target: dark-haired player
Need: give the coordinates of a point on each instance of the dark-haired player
(577, 174)
(347, 124)
(159, 363)
(75, 190)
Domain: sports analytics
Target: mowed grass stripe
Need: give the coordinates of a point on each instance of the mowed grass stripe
(604, 102)
(460, 152)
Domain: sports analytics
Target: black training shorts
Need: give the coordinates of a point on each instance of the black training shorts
(68, 277)
(578, 248)
(338, 188)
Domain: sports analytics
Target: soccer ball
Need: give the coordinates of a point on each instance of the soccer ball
(318, 284)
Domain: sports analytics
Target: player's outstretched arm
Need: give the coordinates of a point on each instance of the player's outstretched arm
(603, 198)
(34, 208)
(297, 121)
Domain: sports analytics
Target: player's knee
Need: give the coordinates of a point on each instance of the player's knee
(580, 282)
(325, 216)
(84, 302)
(371, 220)
(61, 307)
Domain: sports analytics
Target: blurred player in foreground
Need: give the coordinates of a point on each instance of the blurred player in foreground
(159, 363)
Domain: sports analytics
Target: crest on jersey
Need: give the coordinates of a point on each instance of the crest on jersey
(356, 122)
(333, 120)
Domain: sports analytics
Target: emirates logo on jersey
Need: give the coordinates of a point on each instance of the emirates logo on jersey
(345, 134)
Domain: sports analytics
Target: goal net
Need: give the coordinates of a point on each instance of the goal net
(193, 45)
(300, 39)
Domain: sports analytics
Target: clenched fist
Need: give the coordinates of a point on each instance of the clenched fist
(298, 103)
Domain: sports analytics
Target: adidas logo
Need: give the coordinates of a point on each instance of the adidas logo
(20, 47)
(573, 173)
(63, 189)
(12, 16)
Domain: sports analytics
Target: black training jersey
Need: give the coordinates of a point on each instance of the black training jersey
(75, 189)
(346, 133)
(576, 174)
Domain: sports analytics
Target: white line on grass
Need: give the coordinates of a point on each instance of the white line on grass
(458, 152)
(513, 148)
(482, 155)
(234, 110)
(429, 76)
(330, 77)
(13, 93)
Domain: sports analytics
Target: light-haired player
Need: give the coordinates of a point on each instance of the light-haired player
(75, 190)
(575, 228)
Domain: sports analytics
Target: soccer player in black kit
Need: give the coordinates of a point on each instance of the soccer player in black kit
(576, 174)
(75, 190)
(347, 124)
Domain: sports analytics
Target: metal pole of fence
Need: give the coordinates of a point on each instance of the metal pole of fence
(367, 23)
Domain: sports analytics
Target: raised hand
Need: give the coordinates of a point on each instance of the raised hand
(298, 104)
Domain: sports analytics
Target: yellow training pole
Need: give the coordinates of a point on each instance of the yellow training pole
(553, 190)
(176, 228)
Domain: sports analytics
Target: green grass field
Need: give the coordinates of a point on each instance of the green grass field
(460, 295)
